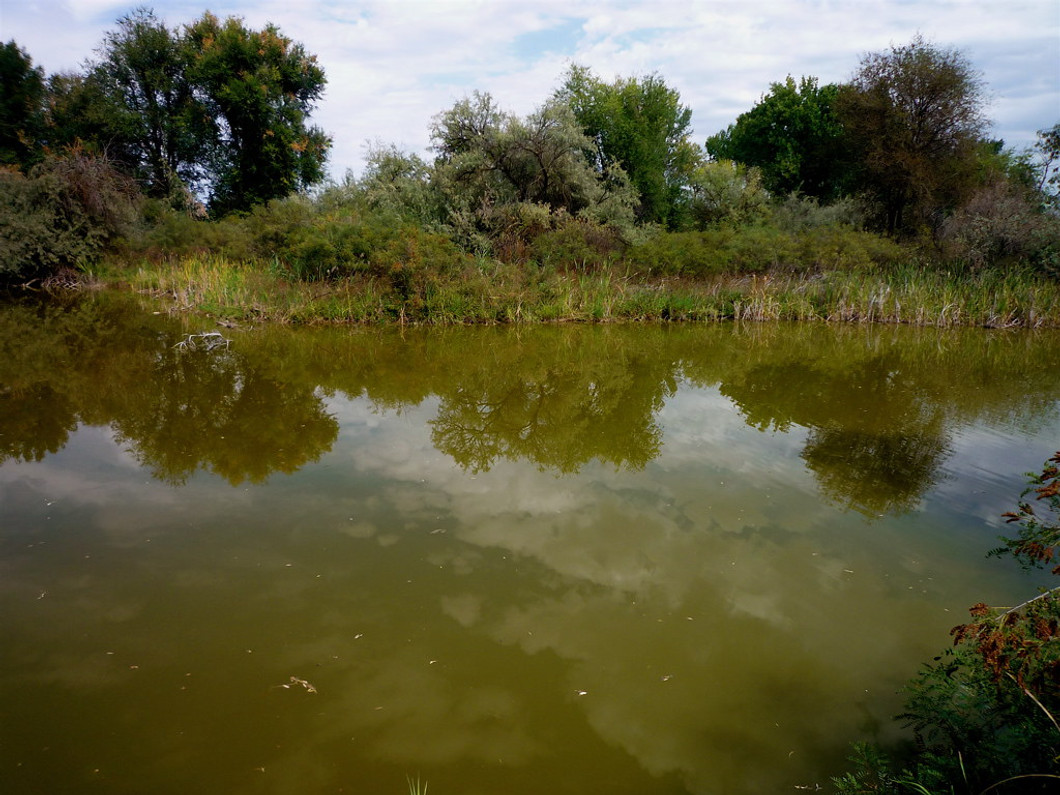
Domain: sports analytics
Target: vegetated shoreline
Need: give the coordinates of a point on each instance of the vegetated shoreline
(489, 292)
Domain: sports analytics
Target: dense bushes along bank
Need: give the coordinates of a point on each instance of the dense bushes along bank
(331, 259)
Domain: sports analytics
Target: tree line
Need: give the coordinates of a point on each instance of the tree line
(212, 118)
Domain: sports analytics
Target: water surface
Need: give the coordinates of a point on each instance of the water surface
(637, 559)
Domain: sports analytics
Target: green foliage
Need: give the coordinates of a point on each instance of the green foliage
(578, 244)
(793, 136)
(61, 215)
(640, 125)
(761, 248)
(154, 112)
(493, 168)
(1039, 527)
(984, 713)
(306, 240)
(488, 155)
(724, 192)
(258, 87)
(913, 118)
(21, 106)
(974, 731)
(79, 113)
(399, 184)
(798, 213)
(215, 108)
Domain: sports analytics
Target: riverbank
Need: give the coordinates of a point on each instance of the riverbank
(485, 291)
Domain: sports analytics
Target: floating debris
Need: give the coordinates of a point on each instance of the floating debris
(296, 681)
(207, 340)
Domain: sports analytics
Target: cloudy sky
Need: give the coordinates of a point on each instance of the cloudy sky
(393, 64)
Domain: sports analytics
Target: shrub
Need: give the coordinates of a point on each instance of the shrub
(999, 225)
(682, 253)
(843, 248)
(985, 712)
(580, 244)
(798, 213)
(62, 214)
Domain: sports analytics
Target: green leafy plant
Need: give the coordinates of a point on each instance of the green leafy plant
(984, 713)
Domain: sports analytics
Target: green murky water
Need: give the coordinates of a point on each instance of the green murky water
(566, 559)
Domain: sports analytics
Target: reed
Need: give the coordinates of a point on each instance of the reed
(487, 291)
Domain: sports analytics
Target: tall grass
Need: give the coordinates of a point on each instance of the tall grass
(486, 291)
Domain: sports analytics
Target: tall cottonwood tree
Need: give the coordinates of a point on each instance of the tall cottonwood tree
(640, 125)
(155, 116)
(258, 88)
(913, 117)
(21, 106)
(214, 107)
(793, 136)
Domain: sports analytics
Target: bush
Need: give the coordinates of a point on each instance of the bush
(682, 253)
(984, 712)
(62, 215)
(578, 244)
(846, 249)
(754, 249)
(1000, 225)
(798, 213)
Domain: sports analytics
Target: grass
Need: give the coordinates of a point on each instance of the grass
(492, 292)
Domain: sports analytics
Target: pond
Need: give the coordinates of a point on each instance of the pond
(564, 559)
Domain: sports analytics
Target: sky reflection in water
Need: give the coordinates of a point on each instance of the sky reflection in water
(567, 559)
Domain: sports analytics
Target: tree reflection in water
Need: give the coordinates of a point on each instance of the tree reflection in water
(878, 406)
(176, 409)
(557, 413)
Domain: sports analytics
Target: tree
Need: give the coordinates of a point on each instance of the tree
(495, 169)
(21, 106)
(214, 107)
(79, 114)
(258, 88)
(640, 125)
(727, 192)
(914, 118)
(793, 136)
(538, 159)
(153, 111)
(399, 183)
(1047, 167)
